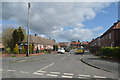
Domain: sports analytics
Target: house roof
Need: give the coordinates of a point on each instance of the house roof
(85, 43)
(91, 40)
(115, 26)
(75, 43)
(40, 40)
(63, 44)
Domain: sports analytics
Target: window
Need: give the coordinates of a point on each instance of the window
(106, 36)
(42, 46)
(109, 35)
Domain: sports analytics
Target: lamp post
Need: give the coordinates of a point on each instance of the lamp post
(28, 27)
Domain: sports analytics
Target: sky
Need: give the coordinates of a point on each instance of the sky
(62, 21)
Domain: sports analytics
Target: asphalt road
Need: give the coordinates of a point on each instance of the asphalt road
(53, 65)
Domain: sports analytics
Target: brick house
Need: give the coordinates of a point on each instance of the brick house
(111, 37)
(64, 44)
(85, 45)
(39, 43)
(75, 44)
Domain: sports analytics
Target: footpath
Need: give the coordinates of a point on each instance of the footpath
(103, 64)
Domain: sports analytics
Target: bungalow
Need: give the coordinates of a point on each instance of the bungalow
(64, 44)
(85, 45)
(75, 44)
(39, 43)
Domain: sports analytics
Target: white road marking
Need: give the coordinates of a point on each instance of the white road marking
(41, 71)
(69, 55)
(38, 73)
(67, 76)
(84, 75)
(51, 75)
(47, 66)
(1, 69)
(55, 72)
(11, 70)
(21, 61)
(63, 58)
(99, 77)
(24, 72)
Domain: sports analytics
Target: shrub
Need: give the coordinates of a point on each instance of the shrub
(30, 48)
(23, 50)
(111, 51)
(55, 47)
(16, 49)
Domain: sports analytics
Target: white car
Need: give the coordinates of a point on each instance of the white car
(61, 50)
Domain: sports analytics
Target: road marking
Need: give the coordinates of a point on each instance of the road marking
(38, 73)
(24, 72)
(69, 55)
(41, 71)
(67, 76)
(11, 70)
(63, 58)
(55, 72)
(47, 66)
(51, 75)
(1, 69)
(99, 77)
(84, 75)
(21, 61)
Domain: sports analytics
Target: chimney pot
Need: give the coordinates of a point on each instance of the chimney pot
(35, 34)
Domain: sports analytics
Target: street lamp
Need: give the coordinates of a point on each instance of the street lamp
(28, 26)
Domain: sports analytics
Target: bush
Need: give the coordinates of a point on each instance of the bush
(55, 47)
(23, 50)
(111, 51)
(16, 49)
(30, 48)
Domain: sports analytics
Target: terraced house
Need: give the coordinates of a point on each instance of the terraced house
(111, 38)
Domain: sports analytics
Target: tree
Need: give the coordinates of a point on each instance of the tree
(55, 47)
(33, 48)
(30, 48)
(16, 49)
(23, 50)
(20, 35)
(7, 38)
(15, 36)
(78, 41)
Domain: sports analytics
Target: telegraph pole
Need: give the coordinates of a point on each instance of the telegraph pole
(28, 26)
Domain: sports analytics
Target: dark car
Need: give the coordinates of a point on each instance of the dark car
(67, 50)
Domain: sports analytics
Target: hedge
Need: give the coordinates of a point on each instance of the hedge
(110, 52)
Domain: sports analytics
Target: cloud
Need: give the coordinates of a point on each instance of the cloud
(50, 19)
(97, 28)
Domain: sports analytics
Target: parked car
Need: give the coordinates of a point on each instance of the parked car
(80, 50)
(67, 50)
(61, 50)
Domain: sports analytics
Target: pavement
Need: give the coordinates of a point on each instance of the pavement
(103, 64)
(53, 65)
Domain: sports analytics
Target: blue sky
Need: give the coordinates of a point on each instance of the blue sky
(103, 19)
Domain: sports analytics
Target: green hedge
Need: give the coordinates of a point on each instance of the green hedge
(111, 52)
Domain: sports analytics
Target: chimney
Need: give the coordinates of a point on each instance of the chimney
(35, 34)
(54, 40)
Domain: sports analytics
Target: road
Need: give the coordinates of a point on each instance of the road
(53, 65)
